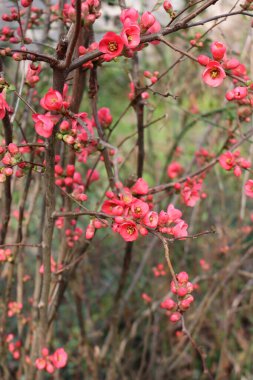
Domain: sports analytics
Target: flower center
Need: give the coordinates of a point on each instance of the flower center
(130, 230)
(214, 73)
(112, 46)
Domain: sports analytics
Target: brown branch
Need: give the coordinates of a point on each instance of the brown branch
(74, 39)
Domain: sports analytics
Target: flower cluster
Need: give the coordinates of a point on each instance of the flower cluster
(132, 213)
(90, 11)
(159, 270)
(191, 191)
(14, 308)
(113, 45)
(214, 73)
(32, 74)
(5, 255)
(13, 347)
(233, 161)
(50, 363)
(71, 179)
(182, 289)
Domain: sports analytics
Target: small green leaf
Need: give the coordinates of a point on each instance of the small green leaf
(11, 87)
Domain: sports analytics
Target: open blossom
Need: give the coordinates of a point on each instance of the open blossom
(248, 188)
(128, 230)
(44, 125)
(131, 36)
(52, 100)
(60, 358)
(112, 45)
(227, 160)
(214, 74)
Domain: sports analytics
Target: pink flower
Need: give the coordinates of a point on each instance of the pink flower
(3, 106)
(168, 304)
(214, 74)
(150, 219)
(240, 92)
(43, 125)
(139, 209)
(147, 20)
(32, 75)
(174, 214)
(40, 363)
(128, 230)
(180, 229)
(112, 45)
(203, 60)
(174, 169)
(52, 100)
(248, 188)
(227, 160)
(155, 28)
(131, 36)
(129, 16)
(167, 6)
(105, 117)
(231, 64)
(60, 358)
(140, 187)
(218, 50)
(92, 175)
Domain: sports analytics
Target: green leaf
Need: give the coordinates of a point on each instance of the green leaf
(11, 87)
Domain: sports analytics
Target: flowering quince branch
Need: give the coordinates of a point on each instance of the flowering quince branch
(72, 148)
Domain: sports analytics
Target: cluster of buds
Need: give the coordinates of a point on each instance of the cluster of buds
(196, 40)
(32, 75)
(152, 76)
(233, 161)
(182, 288)
(13, 347)
(132, 214)
(54, 266)
(95, 224)
(50, 363)
(9, 156)
(13, 16)
(83, 50)
(73, 236)
(5, 255)
(159, 270)
(71, 179)
(14, 308)
(191, 191)
(203, 156)
(90, 11)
